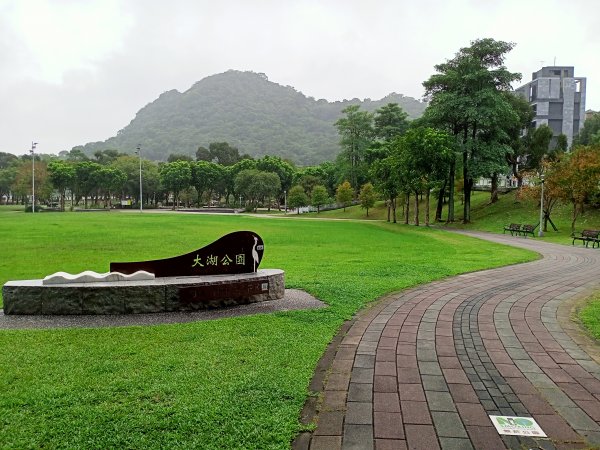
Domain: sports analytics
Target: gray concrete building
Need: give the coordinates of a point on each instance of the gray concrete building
(558, 99)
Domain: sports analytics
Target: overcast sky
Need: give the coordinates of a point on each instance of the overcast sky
(77, 71)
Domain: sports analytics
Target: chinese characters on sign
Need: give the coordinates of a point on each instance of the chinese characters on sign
(517, 426)
(214, 260)
(237, 252)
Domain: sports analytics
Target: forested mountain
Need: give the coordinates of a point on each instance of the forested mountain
(248, 111)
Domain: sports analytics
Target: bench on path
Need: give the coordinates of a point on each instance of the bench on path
(513, 228)
(528, 229)
(587, 236)
(520, 230)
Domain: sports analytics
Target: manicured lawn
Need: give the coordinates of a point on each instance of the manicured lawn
(590, 316)
(231, 383)
(489, 217)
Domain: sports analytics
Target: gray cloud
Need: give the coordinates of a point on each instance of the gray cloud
(326, 49)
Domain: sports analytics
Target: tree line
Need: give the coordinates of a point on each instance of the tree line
(474, 127)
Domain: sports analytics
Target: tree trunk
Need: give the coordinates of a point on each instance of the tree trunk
(389, 208)
(467, 183)
(417, 208)
(494, 194)
(427, 195)
(576, 209)
(440, 203)
(467, 201)
(406, 207)
(451, 191)
(394, 209)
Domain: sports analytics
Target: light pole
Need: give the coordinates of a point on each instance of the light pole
(33, 144)
(139, 153)
(240, 202)
(540, 232)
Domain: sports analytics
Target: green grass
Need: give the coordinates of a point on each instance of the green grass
(590, 316)
(488, 217)
(231, 383)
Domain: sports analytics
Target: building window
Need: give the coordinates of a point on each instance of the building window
(577, 85)
(556, 126)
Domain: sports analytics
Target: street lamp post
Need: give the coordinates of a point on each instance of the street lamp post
(139, 153)
(540, 232)
(32, 151)
(240, 202)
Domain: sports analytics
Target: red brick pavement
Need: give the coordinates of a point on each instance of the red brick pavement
(423, 368)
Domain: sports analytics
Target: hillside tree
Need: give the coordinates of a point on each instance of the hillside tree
(356, 132)
(61, 175)
(467, 99)
(390, 121)
(319, 197)
(367, 197)
(297, 198)
(344, 194)
(175, 177)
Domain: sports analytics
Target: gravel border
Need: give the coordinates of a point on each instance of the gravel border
(293, 300)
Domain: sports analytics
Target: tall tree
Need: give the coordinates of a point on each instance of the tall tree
(284, 170)
(356, 131)
(386, 181)
(175, 177)
(538, 145)
(344, 194)
(108, 156)
(111, 180)
(203, 154)
(179, 157)
(87, 180)
(205, 176)
(429, 153)
(7, 160)
(224, 153)
(590, 133)
(390, 122)
(466, 97)
(367, 197)
(519, 134)
(62, 175)
(257, 186)
(577, 177)
(297, 198)
(319, 197)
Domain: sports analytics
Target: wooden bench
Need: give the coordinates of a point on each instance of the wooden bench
(513, 228)
(587, 236)
(527, 229)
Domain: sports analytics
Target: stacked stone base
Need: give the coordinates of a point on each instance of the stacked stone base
(166, 294)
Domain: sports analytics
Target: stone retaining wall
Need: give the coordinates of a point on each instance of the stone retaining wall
(150, 296)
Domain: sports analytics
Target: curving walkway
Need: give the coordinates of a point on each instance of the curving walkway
(423, 368)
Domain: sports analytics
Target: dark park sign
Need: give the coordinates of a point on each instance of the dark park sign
(238, 252)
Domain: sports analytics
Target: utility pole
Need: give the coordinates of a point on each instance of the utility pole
(139, 152)
(32, 151)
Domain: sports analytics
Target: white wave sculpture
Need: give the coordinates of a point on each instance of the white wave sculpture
(94, 277)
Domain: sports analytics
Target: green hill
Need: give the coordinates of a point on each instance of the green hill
(248, 111)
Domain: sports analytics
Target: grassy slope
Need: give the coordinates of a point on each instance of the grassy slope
(491, 217)
(232, 383)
